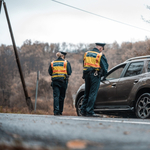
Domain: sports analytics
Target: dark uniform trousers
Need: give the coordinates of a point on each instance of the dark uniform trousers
(91, 88)
(59, 91)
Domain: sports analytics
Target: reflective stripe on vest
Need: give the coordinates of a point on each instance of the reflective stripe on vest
(92, 59)
(59, 69)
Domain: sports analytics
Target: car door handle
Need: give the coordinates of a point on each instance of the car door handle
(114, 84)
(135, 81)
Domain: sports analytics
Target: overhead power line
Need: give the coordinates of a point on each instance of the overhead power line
(100, 16)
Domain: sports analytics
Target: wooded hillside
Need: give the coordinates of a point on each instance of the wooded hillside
(37, 57)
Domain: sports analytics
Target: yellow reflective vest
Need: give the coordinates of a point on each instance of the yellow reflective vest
(59, 69)
(92, 59)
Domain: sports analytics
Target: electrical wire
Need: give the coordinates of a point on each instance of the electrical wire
(100, 16)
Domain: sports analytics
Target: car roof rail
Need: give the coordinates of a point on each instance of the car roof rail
(139, 57)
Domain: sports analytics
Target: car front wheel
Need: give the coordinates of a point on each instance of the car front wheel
(79, 103)
(142, 108)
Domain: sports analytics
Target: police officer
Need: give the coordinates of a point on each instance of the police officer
(95, 66)
(59, 69)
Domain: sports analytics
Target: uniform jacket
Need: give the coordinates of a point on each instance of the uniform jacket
(69, 70)
(103, 64)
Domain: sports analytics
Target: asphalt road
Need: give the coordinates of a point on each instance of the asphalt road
(73, 132)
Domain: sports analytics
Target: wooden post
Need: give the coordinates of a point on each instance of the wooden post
(28, 99)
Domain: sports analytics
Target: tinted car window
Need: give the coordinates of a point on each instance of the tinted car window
(116, 73)
(135, 68)
(148, 67)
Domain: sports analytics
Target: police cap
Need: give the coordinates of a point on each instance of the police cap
(101, 44)
(64, 53)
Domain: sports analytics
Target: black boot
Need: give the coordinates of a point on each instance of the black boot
(93, 115)
(56, 114)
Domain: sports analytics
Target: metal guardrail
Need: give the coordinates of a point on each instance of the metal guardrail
(140, 57)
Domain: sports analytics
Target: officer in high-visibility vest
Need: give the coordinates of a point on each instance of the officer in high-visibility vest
(95, 66)
(59, 69)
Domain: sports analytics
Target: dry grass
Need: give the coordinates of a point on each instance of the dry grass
(42, 108)
(67, 112)
(18, 147)
(17, 102)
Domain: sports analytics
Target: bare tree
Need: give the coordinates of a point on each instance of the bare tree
(146, 20)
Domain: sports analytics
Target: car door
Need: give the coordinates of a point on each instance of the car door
(107, 90)
(130, 78)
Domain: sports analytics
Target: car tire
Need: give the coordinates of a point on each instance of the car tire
(79, 103)
(142, 107)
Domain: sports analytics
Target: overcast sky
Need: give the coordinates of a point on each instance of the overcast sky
(48, 21)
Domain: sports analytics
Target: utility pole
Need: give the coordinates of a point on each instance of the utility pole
(28, 99)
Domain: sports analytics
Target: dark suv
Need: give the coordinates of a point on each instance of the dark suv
(126, 87)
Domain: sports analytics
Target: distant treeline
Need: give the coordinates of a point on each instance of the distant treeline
(37, 57)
